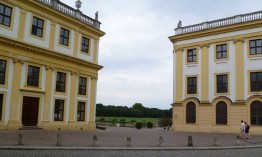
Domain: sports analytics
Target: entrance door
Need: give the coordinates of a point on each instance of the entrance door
(30, 111)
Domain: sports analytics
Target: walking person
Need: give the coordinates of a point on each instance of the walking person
(242, 128)
(247, 127)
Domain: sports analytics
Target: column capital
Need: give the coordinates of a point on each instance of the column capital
(74, 73)
(204, 45)
(49, 68)
(16, 60)
(239, 40)
(94, 77)
(179, 49)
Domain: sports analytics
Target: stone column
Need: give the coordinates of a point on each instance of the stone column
(239, 66)
(92, 112)
(22, 25)
(204, 73)
(73, 103)
(15, 121)
(179, 74)
(52, 35)
(48, 97)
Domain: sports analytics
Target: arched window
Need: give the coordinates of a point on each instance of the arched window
(191, 113)
(256, 113)
(221, 113)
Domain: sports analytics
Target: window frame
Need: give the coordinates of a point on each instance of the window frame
(82, 87)
(34, 79)
(221, 51)
(35, 28)
(191, 85)
(59, 83)
(220, 85)
(192, 55)
(256, 106)
(257, 82)
(63, 37)
(221, 113)
(3, 71)
(6, 16)
(190, 114)
(58, 111)
(81, 111)
(1, 105)
(84, 45)
(255, 47)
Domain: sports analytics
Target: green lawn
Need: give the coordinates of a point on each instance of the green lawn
(128, 119)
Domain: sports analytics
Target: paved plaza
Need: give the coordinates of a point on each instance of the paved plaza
(117, 137)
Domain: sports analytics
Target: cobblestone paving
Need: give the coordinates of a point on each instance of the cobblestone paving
(116, 137)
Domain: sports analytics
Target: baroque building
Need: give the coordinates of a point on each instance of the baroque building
(218, 75)
(48, 65)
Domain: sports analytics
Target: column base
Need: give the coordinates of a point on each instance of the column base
(14, 125)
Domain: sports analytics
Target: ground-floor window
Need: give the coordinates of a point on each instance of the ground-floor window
(59, 110)
(1, 105)
(191, 113)
(81, 111)
(221, 113)
(256, 113)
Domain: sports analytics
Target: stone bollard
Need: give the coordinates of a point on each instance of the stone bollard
(160, 140)
(190, 141)
(20, 139)
(215, 141)
(238, 140)
(95, 139)
(128, 141)
(59, 140)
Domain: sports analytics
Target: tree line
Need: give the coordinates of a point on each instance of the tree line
(136, 111)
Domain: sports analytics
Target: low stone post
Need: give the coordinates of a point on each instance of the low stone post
(95, 139)
(190, 141)
(215, 141)
(20, 139)
(160, 140)
(238, 140)
(128, 141)
(59, 140)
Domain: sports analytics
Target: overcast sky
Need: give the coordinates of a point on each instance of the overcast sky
(136, 53)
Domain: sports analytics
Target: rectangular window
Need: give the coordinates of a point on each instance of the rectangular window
(191, 85)
(82, 86)
(64, 36)
(85, 45)
(60, 82)
(59, 110)
(5, 15)
(2, 71)
(191, 55)
(33, 76)
(222, 83)
(255, 47)
(37, 27)
(256, 81)
(81, 111)
(1, 105)
(221, 51)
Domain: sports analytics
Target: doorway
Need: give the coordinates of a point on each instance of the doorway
(30, 111)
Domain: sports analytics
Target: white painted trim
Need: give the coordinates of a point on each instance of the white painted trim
(85, 56)
(9, 90)
(43, 83)
(52, 97)
(23, 75)
(12, 33)
(68, 97)
(89, 96)
(174, 77)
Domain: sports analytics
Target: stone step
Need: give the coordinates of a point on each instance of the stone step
(30, 128)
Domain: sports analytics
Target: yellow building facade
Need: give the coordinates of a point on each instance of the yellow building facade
(48, 65)
(218, 75)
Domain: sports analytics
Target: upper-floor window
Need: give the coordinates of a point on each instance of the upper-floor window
(5, 15)
(85, 45)
(37, 27)
(82, 86)
(33, 76)
(256, 81)
(222, 83)
(59, 110)
(221, 51)
(81, 111)
(255, 47)
(1, 105)
(60, 82)
(191, 85)
(191, 55)
(2, 71)
(64, 36)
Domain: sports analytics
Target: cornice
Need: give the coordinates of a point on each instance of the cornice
(48, 53)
